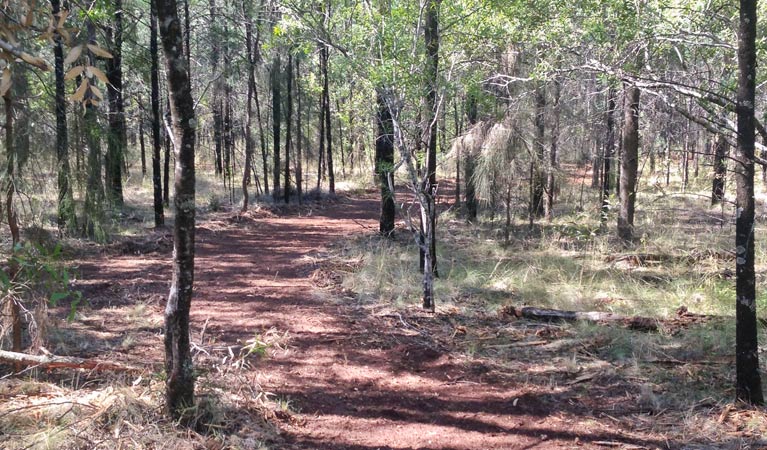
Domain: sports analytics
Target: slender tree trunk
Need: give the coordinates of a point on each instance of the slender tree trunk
(166, 171)
(288, 123)
(608, 154)
(262, 138)
(431, 40)
(328, 129)
(321, 128)
(458, 155)
(249, 144)
(66, 218)
(539, 172)
(159, 214)
(276, 122)
(629, 165)
(550, 178)
(117, 138)
(12, 218)
(471, 161)
(299, 143)
(720, 170)
(748, 386)
(178, 360)
(384, 164)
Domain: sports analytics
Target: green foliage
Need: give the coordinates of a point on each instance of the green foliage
(36, 273)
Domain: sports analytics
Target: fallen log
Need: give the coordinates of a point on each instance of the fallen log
(68, 362)
(557, 315)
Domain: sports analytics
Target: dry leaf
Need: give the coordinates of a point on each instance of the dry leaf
(97, 92)
(95, 71)
(80, 92)
(73, 54)
(73, 72)
(98, 51)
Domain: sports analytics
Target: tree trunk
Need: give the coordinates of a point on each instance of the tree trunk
(166, 171)
(159, 213)
(608, 154)
(321, 128)
(539, 172)
(629, 165)
(550, 178)
(470, 163)
(117, 138)
(249, 144)
(431, 40)
(288, 123)
(178, 360)
(276, 122)
(748, 385)
(300, 137)
(384, 164)
(328, 129)
(66, 217)
(720, 170)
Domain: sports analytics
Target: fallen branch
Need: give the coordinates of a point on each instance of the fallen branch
(556, 315)
(69, 362)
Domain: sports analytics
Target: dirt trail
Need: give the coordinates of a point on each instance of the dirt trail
(353, 381)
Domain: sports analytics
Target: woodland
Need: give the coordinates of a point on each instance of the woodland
(383, 224)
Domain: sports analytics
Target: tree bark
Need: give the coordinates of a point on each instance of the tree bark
(66, 217)
(117, 140)
(539, 172)
(470, 163)
(68, 362)
(328, 129)
(384, 164)
(431, 40)
(300, 137)
(629, 165)
(288, 124)
(249, 144)
(178, 360)
(608, 154)
(550, 178)
(276, 122)
(748, 386)
(159, 213)
(720, 170)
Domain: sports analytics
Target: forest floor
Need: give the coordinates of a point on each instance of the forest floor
(290, 359)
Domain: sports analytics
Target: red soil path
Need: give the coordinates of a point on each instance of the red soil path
(354, 381)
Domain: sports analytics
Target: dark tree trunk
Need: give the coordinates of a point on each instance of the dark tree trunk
(159, 214)
(720, 170)
(629, 164)
(12, 218)
(539, 172)
(299, 131)
(262, 137)
(66, 217)
(748, 385)
(471, 161)
(276, 122)
(550, 178)
(166, 171)
(384, 163)
(117, 138)
(608, 154)
(178, 360)
(249, 144)
(288, 123)
(321, 128)
(328, 129)
(458, 155)
(431, 40)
